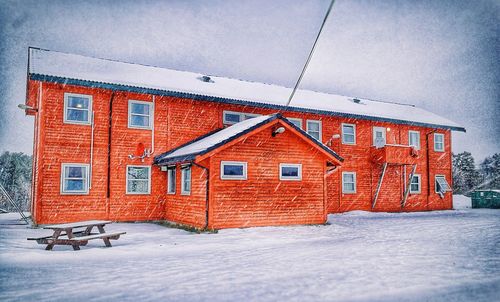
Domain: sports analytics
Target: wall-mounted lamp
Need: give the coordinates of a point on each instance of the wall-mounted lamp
(329, 142)
(278, 131)
(388, 129)
(26, 107)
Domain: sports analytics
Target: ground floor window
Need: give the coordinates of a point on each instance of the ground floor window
(138, 180)
(186, 180)
(415, 184)
(290, 171)
(441, 185)
(348, 182)
(233, 170)
(75, 179)
(171, 180)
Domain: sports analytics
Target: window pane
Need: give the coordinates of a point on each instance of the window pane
(348, 129)
(74, 172)
(296, 123)
(314, 134)
(414, 187)
(139, 120)
(78, 102)
(236, 170)
(77, 115)
(138, 173)
(73, 185)
(139, 108)
(249, 116)
(349, 178)
(232, 117)
(137, 186)
(290, 171)
(348, 187)
(313, 126)
(171, 181)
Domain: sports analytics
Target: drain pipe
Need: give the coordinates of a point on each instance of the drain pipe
(91, 150)
(428, 166)
(207, 193)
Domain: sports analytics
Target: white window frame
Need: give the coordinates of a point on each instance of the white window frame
(171, 190)
(355, 183)
(442, 142)
(126, 180)
(410, 132)
(320, 128)
(299, 120)
(150, 115)
(354, 130)
(375, 129)
(298, 178)
(243, 116)
(233, 177)
(436, 183)
(419, 177)
(67, 95)
(183, 187)
(85, 190)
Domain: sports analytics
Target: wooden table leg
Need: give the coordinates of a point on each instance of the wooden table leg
(69, 232)
(88, 230)
(54, 238)
(106, 240)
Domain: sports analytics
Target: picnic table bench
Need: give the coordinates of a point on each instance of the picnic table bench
(65, 234)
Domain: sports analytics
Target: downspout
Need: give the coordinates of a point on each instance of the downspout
(153, 130)
(207, 193)
(91, 150)
(110, 125)
(428, 166)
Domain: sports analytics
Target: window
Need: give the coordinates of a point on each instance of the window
(441, 185)
(290, 171)
(140, 114)
(415, 184)
(233, 170)
(186, 180)
(314, 129)
(231, 117)
(296, 121)
(348, 182)
(439, 142)
(348, 134)
(171, 180)
(138, 180)
(77, 108)
(379, 136)
(74, 179)
(414, 139)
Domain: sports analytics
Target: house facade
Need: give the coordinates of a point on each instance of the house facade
(99, 125)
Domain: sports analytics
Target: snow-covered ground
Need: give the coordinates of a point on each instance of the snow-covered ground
(461, 202)
(432, 256)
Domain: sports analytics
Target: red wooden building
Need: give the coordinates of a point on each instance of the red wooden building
(130, 142)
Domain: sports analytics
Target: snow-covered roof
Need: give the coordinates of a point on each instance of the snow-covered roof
(211, 141)
(81, 70)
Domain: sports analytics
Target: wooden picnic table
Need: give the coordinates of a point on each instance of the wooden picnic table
(68, 234)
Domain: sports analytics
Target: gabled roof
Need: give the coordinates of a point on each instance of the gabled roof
(74, 69)
(214, 140)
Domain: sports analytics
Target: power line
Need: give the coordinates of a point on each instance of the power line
(310, 54)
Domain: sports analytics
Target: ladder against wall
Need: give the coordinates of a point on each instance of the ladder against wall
(11, 201)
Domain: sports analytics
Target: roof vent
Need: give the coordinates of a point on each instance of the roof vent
(206, 79)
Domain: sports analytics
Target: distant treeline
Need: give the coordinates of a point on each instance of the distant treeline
(466, 177)
(15, 177)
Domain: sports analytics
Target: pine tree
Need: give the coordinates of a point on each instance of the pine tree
(15, 176)
(465, 175)
(490, 172)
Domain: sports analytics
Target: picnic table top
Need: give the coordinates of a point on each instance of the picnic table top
(78, 224)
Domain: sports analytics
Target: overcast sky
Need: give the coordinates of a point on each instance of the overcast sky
(439, 55)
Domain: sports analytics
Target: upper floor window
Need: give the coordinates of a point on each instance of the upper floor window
(186, 180)
(171, 180)
(296, 121)
(415, 184)
(439, 142)
(232, 117)
(414, 139)
(77, 108)
(349, 134)
(138, 180)
(140, 114)
(75, 179)
(290, 171)
(379, 136)
(314, 129)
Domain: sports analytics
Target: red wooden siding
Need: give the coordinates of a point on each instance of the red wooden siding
(178, 121)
